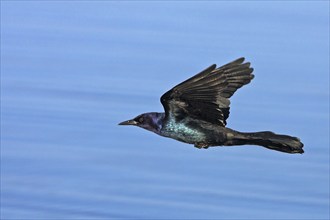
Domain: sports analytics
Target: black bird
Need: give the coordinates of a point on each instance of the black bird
(196, 111)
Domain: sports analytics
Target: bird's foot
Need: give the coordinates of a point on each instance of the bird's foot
(201, 146)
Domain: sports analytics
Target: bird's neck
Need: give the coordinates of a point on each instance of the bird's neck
(156, 122)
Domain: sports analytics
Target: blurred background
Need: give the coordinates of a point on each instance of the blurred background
(71, 71)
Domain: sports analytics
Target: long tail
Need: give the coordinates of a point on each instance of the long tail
(267, 139)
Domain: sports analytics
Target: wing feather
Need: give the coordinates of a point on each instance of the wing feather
(206, 95)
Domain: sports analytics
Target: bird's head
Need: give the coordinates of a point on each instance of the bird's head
(150, 121)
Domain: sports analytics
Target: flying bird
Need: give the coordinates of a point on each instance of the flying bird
(196, 111)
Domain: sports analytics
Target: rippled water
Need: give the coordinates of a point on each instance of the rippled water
(70, 71)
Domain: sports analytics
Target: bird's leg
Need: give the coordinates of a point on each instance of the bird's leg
(201, 145)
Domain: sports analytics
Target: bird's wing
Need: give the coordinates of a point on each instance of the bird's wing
(206, 95)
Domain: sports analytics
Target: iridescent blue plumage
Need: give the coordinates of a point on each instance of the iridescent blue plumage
(196, 111)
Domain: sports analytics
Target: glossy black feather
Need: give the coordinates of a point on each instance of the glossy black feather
(206, 95)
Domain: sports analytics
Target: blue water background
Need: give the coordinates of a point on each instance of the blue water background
(70, 71)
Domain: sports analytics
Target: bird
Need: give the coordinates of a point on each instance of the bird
(196, 111)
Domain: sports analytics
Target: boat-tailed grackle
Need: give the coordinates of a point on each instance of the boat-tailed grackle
(196, 111)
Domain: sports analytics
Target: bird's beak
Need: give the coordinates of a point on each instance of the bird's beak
(128, 122)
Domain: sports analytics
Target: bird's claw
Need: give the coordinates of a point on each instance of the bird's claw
(201, 146)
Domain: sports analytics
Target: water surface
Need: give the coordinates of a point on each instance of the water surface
(70, 71)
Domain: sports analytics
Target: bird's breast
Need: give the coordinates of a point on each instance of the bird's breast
(182, 131)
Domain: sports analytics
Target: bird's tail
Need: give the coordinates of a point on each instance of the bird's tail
(267, 139)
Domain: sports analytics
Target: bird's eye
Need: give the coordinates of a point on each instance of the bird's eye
(141, 120)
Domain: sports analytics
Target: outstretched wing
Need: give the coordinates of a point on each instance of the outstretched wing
(206, 95)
